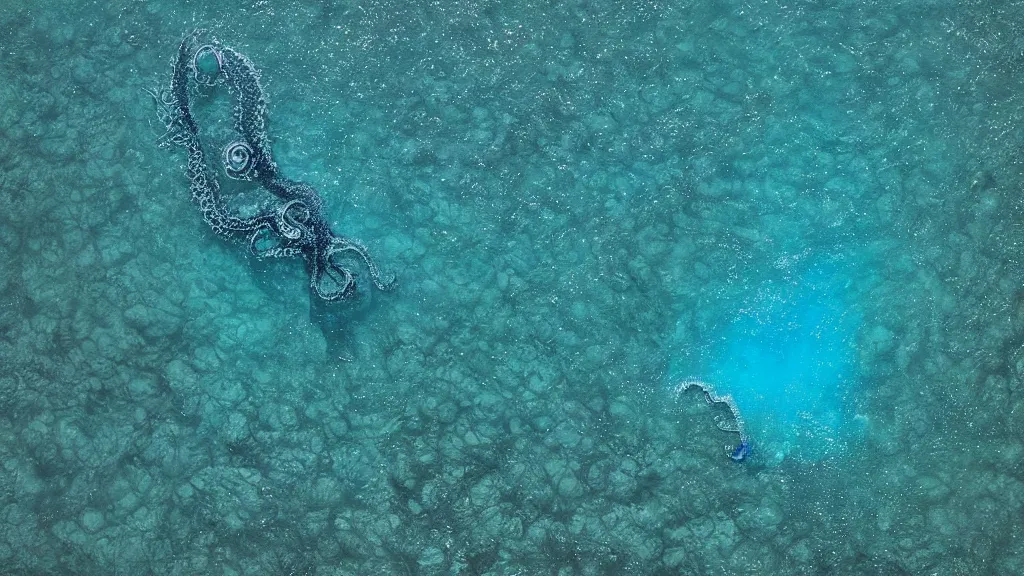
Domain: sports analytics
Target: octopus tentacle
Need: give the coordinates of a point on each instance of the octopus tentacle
(326, 268)
(347, 245)
(281, 250)
(742, 450)
(294, 226)
(200, 75)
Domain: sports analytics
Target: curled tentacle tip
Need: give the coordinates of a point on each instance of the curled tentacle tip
(342, 279)
(387, 284)
(239, 160)
(207, 63)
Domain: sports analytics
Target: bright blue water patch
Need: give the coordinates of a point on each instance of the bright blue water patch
(788, 361)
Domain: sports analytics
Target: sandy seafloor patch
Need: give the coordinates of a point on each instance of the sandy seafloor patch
(575, 197)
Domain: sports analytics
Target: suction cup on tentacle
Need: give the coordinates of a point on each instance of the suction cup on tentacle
(239, 162)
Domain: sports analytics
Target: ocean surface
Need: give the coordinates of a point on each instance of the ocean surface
(811, 210)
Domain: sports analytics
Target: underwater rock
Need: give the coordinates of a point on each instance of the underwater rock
(93, 521)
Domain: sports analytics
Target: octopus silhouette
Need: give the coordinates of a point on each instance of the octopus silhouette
(294, 223)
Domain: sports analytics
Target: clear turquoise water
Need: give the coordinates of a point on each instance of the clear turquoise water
(789, 362)
(818, 207)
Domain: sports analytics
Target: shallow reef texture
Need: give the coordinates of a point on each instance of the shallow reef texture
(570, 193)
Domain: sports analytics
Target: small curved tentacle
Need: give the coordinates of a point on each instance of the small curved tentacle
(279, 250)
(346, 245)
(742, 450)
(346, 283)
(293, 227)
(198, 74)
(167, 116)
(255, 238)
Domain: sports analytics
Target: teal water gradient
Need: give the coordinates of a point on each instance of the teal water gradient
(789, 361)
(818, 204)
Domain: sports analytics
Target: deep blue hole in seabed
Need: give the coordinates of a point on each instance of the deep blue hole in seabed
(789, 361)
